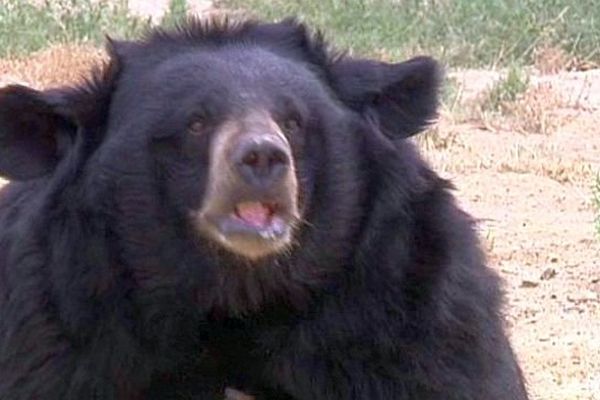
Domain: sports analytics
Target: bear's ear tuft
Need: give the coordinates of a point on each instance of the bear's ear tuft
(402, 97)
(33, 134)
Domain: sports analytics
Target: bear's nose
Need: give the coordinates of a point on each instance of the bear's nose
(261, 161)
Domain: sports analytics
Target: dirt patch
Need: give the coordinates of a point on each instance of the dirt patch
(532, 195)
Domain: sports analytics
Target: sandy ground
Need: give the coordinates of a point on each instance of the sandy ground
(533, 196)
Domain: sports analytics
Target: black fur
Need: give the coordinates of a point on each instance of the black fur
(107, 292)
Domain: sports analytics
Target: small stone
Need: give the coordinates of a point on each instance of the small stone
(548, 274)
(529, 284)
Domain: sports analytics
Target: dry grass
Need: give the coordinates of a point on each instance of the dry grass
(460, 149)
(551, 59)
(438, 138)
(535, 110)
(517, 104)
(55, 66)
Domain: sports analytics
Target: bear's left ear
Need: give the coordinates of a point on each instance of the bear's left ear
(34, 134)
(402, 97)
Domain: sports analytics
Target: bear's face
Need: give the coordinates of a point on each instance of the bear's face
(235, 129)
(235, 135)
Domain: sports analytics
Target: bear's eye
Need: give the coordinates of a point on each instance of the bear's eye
(290, 126)
(196, 127)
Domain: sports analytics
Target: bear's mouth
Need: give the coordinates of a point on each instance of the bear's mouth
(252, 228)
(255, 218)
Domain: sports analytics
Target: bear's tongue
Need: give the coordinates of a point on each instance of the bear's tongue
(254, 213)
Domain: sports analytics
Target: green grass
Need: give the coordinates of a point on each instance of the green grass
(177, 12)
(451, 93)
(506, 90)
(479, 33)
(25, 28)
(460, 32)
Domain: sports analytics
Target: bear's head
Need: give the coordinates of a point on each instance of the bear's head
(244, 140)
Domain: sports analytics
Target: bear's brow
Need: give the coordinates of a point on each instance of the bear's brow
(243, 69)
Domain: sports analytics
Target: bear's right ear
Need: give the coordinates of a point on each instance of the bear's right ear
(402, 98)
(33, 134)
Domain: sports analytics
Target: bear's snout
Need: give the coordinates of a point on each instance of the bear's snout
(251, 205)
(261, 160)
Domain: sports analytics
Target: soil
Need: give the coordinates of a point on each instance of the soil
(532, 194)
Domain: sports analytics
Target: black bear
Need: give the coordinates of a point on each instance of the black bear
(235, 205)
